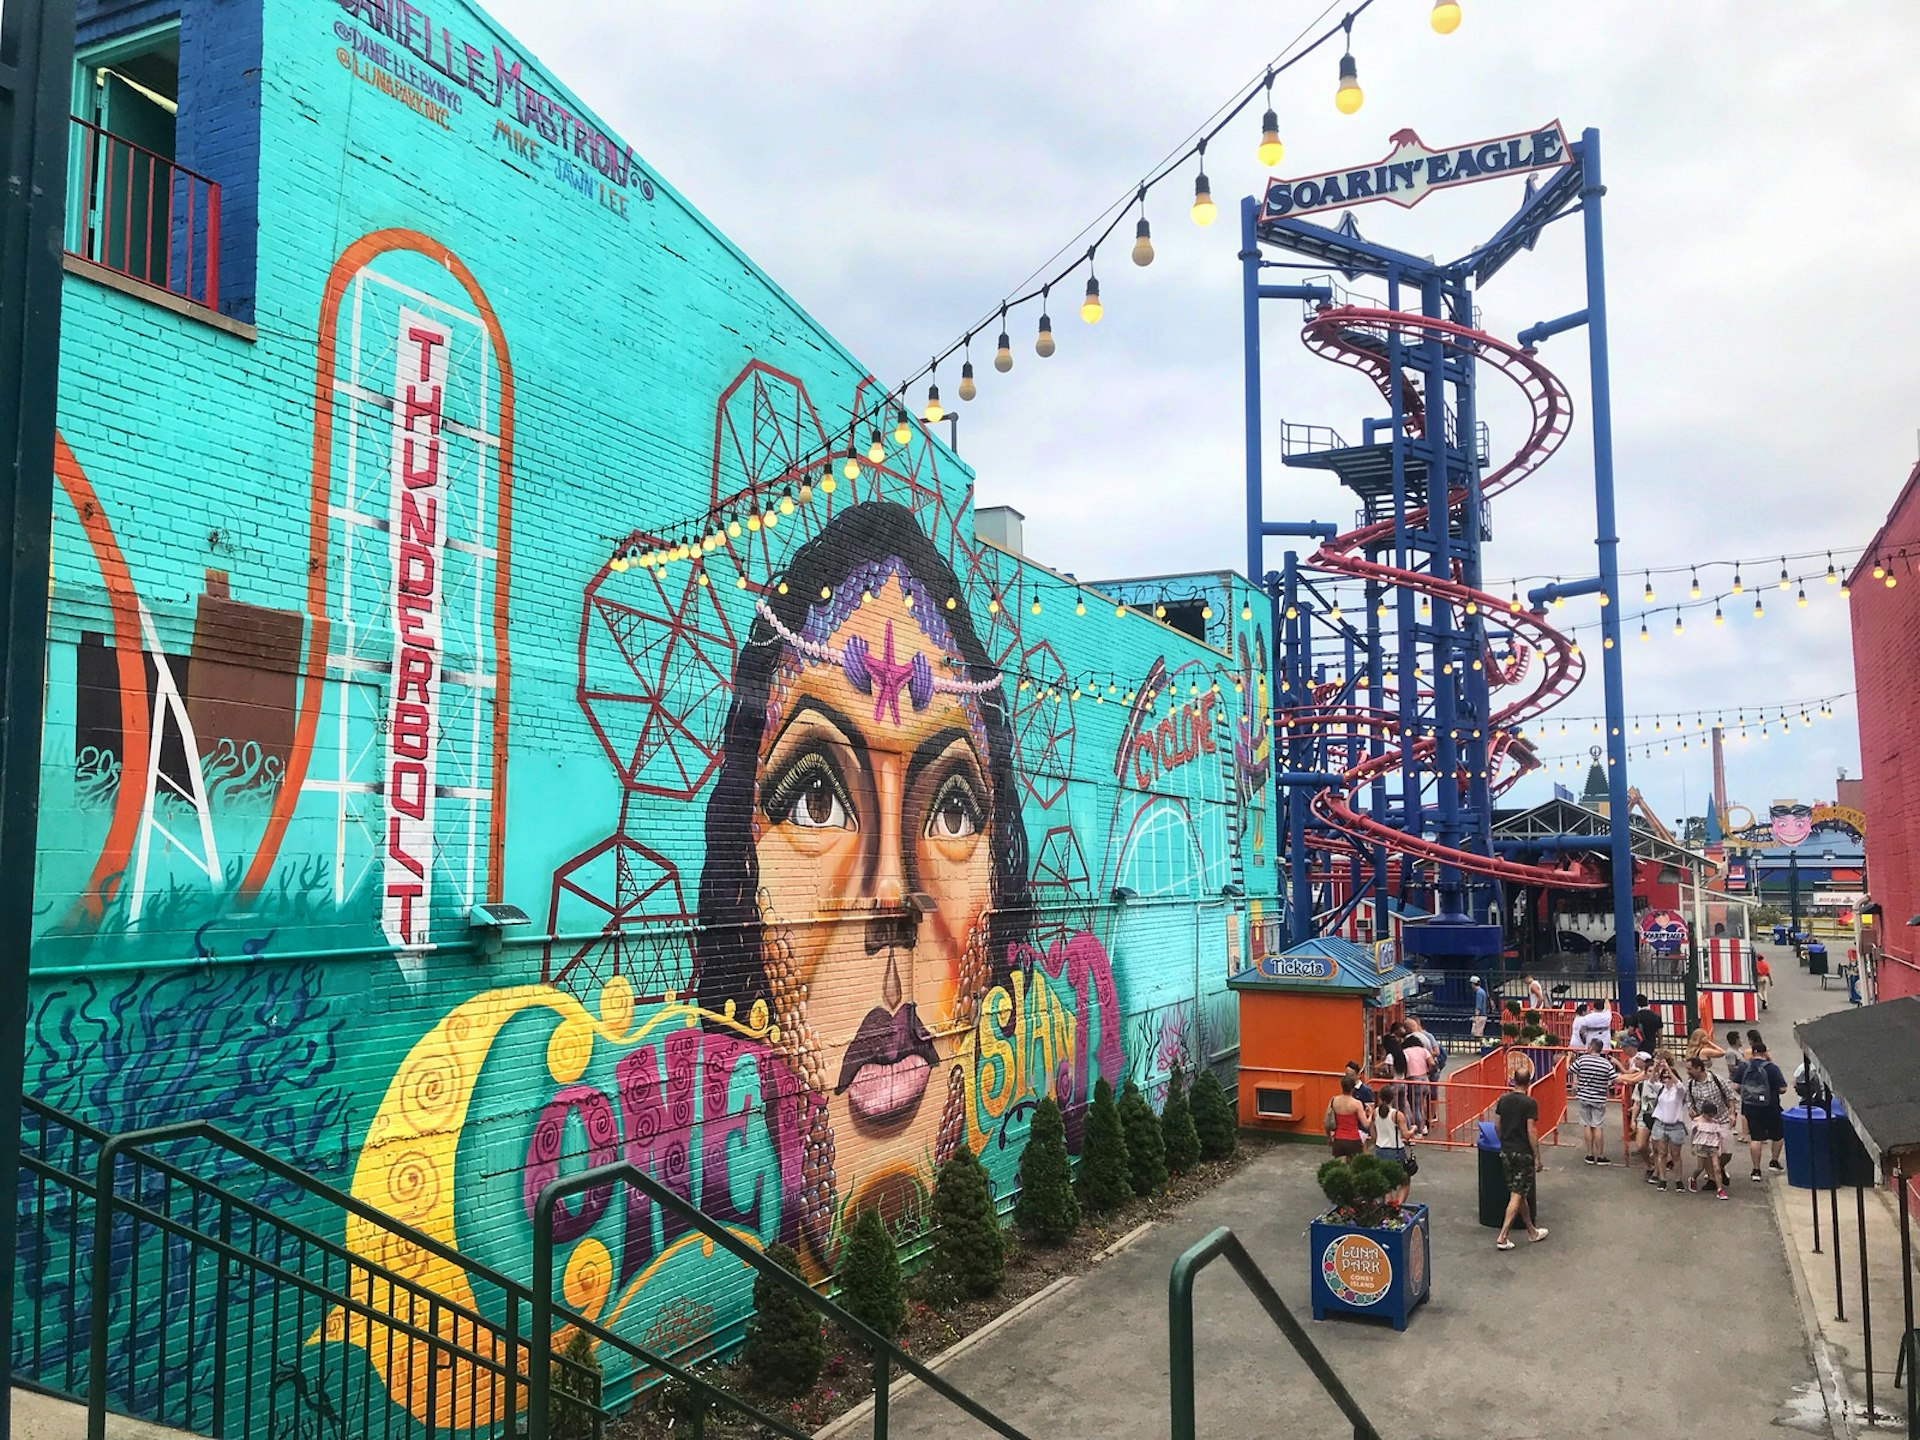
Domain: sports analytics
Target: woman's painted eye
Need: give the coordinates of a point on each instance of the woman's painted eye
(955, 814)
(810, 796)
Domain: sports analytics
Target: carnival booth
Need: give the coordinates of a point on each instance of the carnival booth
(1306, 1012)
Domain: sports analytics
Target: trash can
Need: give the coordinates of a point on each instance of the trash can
(1816, 959)
(1824, 1150)
(1493, 1180)
(1779, 934)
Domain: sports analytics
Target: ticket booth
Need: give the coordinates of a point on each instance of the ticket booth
(1306, 1012)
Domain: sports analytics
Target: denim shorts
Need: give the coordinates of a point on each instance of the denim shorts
(1673, 1132)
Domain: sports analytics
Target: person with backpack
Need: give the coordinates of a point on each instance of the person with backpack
(1736, 1062)
(1761, 1086)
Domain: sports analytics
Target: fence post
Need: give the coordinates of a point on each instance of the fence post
(540, 1341)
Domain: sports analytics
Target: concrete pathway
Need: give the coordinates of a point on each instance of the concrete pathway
(45, 1417)
(1642, 1313)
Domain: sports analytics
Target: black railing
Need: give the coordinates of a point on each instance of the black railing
(886, 1355)
(1180, 1346)
(57, 1158)
(199, 1294)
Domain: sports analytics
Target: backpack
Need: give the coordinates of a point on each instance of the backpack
(1439, 1051)
(1756, 1084)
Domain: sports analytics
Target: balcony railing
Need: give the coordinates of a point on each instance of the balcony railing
(135, 212)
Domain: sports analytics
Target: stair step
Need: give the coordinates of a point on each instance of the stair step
(38, 1416)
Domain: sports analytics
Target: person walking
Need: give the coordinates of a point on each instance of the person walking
(1710, 1104)
(1345, 1121)
(1762, 977)
(1761, 1085)
(1669, 1122)
(1736, 1061)
(1516, 1114)
(1536, 996)
(1419, 1065)
(1480, 1005)
(1637, 1094)
(1392, 1140)
(1593, 1076)
(1646, 1022)
(1595, 1024)
(1700, 1042)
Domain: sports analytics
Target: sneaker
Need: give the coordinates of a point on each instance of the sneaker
(1592, 1161)
(1663, 1186)
(1505, 1245)
(1694, 1186)
(1537, 1236)
(1754, 1176)
(1721, 1193)
(1601, 1160)
(1774, 1165)
(1653, 1179)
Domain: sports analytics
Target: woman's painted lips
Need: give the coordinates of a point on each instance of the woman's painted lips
(887, 1065)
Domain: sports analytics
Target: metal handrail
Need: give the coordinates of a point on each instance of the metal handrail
(886, 1354)
(100, 154)
(411, 1295)
(1223, 1242)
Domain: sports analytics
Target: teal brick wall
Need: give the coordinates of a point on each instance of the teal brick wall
(839, 846)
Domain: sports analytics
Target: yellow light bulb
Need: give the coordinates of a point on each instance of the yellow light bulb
(1271, 150)
(1003, 354)
(828, 484)
(1203, 207)
(876, 453)
(733, 528)
(851, 469)
(933, 414)
(1349, 97)
(902, 429)
(1143, 243)
(786, 504)
(1090, 308)
(1445, 18)
(967, 388)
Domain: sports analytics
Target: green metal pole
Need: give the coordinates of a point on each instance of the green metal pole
(36, 83)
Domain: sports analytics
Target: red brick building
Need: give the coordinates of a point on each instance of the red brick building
(1886, 668)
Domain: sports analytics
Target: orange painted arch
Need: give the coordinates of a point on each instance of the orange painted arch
(313, 675)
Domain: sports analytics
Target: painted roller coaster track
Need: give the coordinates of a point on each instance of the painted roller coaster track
(1357, 337)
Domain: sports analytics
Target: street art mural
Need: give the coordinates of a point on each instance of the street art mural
(843, 844)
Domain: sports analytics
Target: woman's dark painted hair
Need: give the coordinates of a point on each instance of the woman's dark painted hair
(727, 941)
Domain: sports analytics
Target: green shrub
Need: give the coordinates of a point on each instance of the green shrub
(1176, 1126)
(1146, 1149)
(1105, 1181)
(1357, 1189)
(1046, 1211)
(870, 1288)
(1213, 1118)
(575, 1390)
(968, 1258)
(784, 1350)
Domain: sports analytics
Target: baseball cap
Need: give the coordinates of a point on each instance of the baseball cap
(1475, 979)
(1644, 1055)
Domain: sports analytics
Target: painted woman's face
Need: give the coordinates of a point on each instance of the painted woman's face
(872, 823)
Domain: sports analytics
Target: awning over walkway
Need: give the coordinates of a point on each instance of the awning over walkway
(1868, 1057)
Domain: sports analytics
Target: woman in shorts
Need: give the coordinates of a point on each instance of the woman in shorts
(1346, 1122)
(1392, 1135)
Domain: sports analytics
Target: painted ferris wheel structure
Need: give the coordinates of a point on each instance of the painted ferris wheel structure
(1401, 720)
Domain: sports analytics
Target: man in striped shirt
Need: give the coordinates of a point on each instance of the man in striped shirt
(1593, 1075)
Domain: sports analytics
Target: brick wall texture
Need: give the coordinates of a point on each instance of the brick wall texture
(1886, 671)
(837, 846)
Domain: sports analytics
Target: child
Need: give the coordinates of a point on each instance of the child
(1709, 1151)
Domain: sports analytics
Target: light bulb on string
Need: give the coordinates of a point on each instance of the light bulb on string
(1043, 341)
(787, 502)
(806, 489)
(1349, 97)
(1718, 618)
(933, 414)
(1143, 235)
(1879, 570)
(1079, 604)
(1270, 150)
(902, 427)
(1246, 611)
(1892, 580)
(1648, 595)
(1120, 612)
(1832, 577)
(1445, 16)
(1679, 626)
(1643, 631)
(1802, 601)
(1784, 582)
(1737, 586)
(1693, 589)
(1035, 607)
(967, 388)
(1514, 603)
(876, 452)
(1203, 207)
(1759, 610)
(1003, 348)
(1846, 590)
(1090, 307)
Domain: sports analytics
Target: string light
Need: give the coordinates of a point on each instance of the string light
(1802, 602)
(967, 388)
(1003, 349)
(1693, 589)
(1270, 150)
(1349, 97)
(1445, 18)
(1784, 582)
(1090, 308)
(1718, 618)
(1043, 342)
(1878, 569)
(902, 427)
(1246, 611)
(1203, 207)
(1832, 578)
(1648, 596)
(1737, 586)
(1643, 631)
(933, 414)
(1759, 610)
(1679, 627)
(876, 452)
(1143, 235)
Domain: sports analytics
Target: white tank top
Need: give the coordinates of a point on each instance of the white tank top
(1386, 1134)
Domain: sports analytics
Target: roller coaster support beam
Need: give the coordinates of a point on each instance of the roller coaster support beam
(1530, 338)
(1300, 529)
(1543, 595)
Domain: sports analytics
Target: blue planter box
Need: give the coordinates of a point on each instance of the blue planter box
(1379, 1274)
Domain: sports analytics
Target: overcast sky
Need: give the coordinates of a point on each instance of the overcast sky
(900, 167)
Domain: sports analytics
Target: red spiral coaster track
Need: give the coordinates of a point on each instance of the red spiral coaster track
(1357, 337)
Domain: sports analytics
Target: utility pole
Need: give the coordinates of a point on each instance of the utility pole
(36, 81)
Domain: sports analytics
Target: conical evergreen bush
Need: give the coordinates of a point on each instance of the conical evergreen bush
(1146, 1150)
(1047, 1211)
(1176, 1126)
(1104, 1181)
(1213, 1118)
(785, 1350)
(969, 1254)
(870, 1288)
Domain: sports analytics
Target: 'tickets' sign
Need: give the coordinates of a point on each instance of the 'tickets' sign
(416, 487)
(1411, 171)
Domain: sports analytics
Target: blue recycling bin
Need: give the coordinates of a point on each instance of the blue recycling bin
(1779, 934)
(1817, 959)
(1821, 1151)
